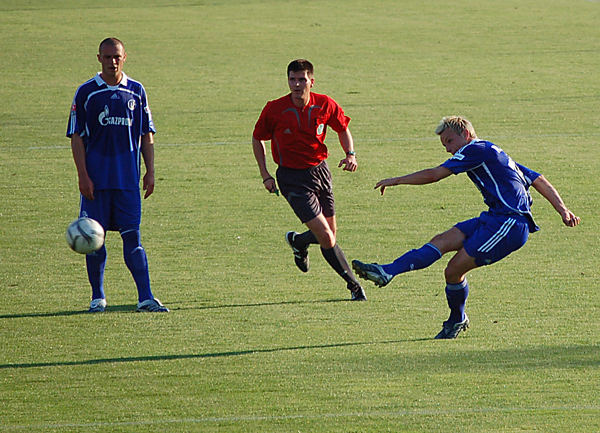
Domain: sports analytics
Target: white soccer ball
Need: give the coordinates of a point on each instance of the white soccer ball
(85, 235)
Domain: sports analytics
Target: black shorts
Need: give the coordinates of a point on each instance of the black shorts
(308, 191)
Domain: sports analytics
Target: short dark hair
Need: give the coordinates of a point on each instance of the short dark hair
(300, 65)
(110, 41)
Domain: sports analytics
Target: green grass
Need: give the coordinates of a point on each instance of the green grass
(251, 344)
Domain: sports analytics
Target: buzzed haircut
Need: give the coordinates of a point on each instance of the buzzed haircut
(300, 65)
(110, 41)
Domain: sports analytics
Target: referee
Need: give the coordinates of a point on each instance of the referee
(296, 125)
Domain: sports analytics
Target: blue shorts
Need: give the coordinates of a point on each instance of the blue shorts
(490, 238)
(114, 209)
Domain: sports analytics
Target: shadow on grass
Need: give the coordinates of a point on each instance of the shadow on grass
(131, 308)
(199, 355)
(112, 308)
(519, 358)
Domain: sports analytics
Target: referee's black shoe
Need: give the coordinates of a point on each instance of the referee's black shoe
(300, 254)
(358, 293)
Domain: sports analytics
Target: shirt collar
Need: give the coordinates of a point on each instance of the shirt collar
(100, 81)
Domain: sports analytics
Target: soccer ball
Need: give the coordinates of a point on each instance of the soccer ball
(85, 235)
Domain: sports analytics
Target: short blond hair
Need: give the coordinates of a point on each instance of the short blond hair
(457, 123)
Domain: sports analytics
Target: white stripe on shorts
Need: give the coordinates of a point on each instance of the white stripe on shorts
(498, 236)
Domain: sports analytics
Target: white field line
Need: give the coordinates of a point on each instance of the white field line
(312, 416)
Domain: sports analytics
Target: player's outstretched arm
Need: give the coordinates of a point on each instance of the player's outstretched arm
(547, 190)
(422, 177)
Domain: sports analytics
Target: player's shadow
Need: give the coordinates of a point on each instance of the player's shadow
(199, 355)
(262, 304)
(172, 306)
(111, 308)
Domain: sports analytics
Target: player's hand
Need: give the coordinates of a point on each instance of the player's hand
(570, 219)
(148, 184)
(349, 163)
(271, 185)
(383, 184)
(86, 187)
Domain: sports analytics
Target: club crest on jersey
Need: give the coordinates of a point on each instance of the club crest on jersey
(320, 129)
(131, 104)
(104, 119)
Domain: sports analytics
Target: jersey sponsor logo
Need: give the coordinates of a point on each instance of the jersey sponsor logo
(131, 104)
(105, 120)
(320, 129)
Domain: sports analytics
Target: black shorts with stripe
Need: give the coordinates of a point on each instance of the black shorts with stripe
(308, 191)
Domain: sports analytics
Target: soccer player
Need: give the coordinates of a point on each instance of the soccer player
(480, 241)
(296, 125)
(109, 126)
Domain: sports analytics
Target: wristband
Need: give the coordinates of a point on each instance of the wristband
(350, 152)
(268, 178)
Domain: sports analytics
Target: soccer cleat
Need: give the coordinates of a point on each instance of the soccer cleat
(452, 329)
(97, 305)
(300, 255)
(372, 272)
(358, 293)
(152, 306)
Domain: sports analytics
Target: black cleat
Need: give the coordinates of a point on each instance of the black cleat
(300, 255)
(452, 329)
(358, 293)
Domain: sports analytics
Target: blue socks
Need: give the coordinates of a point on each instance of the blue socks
(137, 263)
(135, 259)
(413, 260)
(457, 294)
(95, 264)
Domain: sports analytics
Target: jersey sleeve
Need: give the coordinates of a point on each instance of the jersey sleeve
(528, 173)
(147, 122)
(337, 119)
(263, 130)
(465, 159)
(76, 123)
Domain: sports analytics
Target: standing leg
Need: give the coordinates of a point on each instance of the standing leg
(324, 230)
(95, 264)
(457, 291)
(137, 263)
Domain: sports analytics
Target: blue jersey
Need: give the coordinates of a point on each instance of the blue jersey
(503, 183)
(111, 121)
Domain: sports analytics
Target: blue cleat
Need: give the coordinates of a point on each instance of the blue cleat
(452, 329)
(372, 272)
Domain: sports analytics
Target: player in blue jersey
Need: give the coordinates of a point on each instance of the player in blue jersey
(480, 241)
(110, 127)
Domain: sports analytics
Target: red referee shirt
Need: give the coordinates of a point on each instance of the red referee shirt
(297, 135)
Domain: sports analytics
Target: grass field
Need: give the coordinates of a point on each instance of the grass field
(251, 344)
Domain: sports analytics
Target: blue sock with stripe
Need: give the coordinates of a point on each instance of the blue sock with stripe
(137, 262)
(457, 294)
(413, 260)
(95, 264)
